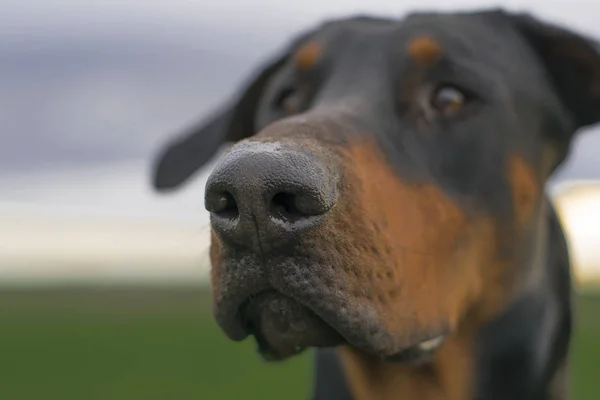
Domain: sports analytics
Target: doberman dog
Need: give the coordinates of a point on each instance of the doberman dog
(384, 203)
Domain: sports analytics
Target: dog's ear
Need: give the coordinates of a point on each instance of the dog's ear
(573, 64)
(180, 158)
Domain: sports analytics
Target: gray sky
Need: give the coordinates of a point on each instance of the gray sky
(88, 89)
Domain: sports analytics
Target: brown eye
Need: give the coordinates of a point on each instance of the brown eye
(288, 101)
(448, 101)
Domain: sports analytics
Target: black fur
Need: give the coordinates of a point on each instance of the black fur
(532, 86)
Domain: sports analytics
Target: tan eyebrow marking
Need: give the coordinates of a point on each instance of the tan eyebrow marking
(425, 51)
(308, 55)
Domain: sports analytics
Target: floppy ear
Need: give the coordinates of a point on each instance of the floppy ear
(573, 63)
(182, 157)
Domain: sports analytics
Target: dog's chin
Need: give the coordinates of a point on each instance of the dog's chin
(283, 327)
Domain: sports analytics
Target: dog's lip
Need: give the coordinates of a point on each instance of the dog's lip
(232, 315)
(420, 353)
(359, 324)
(416, 354)
(297, 323)
(241, 314)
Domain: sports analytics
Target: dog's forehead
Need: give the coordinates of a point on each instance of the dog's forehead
(485, 36)
(484, 48)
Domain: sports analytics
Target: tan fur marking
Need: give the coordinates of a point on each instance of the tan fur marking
(371, 379)
(525, 189)
(425, 51)
(308, 56)
(216, 258)
(446, 270)
(448, 377)
(434, 247)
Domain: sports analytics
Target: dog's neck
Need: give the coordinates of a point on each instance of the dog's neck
(521, 354)
(444, 378)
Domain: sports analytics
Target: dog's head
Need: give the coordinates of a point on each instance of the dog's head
(388, 177)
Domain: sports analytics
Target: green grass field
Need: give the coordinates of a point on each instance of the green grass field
(114, 344)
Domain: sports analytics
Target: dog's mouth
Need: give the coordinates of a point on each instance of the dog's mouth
(283, 327)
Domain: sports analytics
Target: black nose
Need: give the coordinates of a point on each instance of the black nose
(261, 195)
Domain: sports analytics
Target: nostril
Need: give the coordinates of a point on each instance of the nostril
(223, 204)
(294, 207)
(283, 206)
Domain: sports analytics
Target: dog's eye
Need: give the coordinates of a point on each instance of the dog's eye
(288, 101)
(448, 100)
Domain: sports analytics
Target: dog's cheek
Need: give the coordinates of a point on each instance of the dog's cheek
(359, 261)
(216, 260)
(417, 250)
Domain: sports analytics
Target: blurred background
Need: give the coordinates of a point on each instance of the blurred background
(103, 284)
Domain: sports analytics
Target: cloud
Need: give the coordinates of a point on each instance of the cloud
(57, 18)
(117, 190)
(98, 86)
(91, 88)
